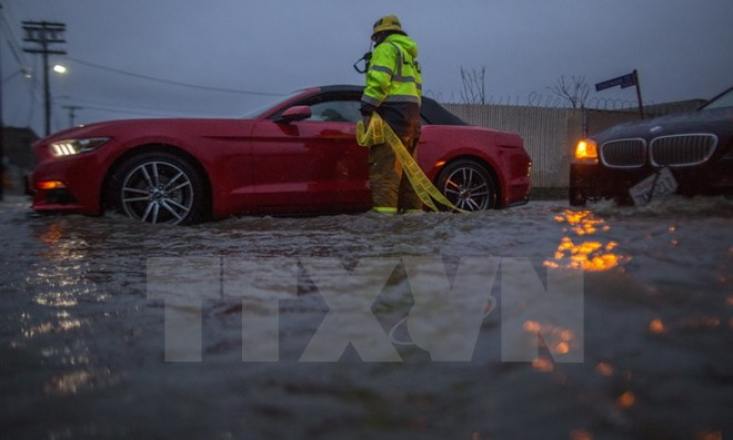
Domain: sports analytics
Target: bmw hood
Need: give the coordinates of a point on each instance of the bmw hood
(719, 121)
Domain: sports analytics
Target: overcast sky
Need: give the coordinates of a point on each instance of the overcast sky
(127, 58)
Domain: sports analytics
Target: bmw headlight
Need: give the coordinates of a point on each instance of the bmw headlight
(71, 147)
(586, 151)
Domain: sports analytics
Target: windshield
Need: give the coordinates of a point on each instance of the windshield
(722, 101)
(260, 109)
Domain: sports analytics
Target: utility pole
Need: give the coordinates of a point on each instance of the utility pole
(45, 33)
(2, 124)
(72, 109)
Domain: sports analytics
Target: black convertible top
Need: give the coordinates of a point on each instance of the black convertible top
(431, 111)
(436, 114)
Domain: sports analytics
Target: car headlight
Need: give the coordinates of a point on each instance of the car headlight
(75, 146)
(586, 151)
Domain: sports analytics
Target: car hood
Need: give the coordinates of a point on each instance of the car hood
(717, 121)
(127, 127)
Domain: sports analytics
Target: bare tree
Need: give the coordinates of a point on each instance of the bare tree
(575, 90)
(474, 86)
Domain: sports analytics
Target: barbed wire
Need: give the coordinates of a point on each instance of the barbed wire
(535, 99)
(170, 82)
(600, 103)
(549, 100)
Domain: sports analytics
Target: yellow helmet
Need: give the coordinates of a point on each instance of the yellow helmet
(388, 23)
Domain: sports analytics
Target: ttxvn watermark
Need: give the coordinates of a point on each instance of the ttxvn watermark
(448, 307)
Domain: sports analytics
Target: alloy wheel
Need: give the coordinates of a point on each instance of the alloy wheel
(469, 187)
(157, 192)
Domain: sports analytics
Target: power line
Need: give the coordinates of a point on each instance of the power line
(45, 34)
(33, 83)
(14, 45)
(35, 87)
(134, 110)
(17, 51)
(170, 82)
(123, 111)
(17, 72)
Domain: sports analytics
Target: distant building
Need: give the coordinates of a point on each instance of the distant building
(19, 160)
(674, 107)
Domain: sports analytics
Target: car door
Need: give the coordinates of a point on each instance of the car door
(312, 165)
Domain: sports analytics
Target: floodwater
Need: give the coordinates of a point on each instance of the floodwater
(83, 352)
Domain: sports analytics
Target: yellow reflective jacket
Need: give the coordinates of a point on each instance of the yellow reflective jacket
(394, 83)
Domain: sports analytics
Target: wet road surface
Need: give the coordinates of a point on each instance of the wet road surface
(82, 341)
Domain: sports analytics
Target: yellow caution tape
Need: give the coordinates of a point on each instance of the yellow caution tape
(379, 132)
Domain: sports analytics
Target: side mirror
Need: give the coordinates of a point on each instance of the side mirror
(295, 113)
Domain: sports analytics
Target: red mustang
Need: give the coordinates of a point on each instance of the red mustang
(299, 156)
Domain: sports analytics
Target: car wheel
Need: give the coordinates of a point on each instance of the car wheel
(468, 185)
(159, 188)
(576, 197)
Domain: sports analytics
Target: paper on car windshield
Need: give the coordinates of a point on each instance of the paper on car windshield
(654, 186)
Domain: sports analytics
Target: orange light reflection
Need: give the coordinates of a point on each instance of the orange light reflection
(543, 365)
(604, 369)
(558, 340)
(657, 326)
(588, 255)
(626, 400)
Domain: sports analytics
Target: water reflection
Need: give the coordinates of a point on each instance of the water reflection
(605, 369)
(580, 434)
(579, 252)
(56, 280)
(77, 381)
(55, 288)
(557, 339)
(84, 348)
(64, 262)
(543, 364)
(657, 326)
(626, 400)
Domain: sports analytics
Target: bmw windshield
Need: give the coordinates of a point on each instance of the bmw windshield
(721, 101)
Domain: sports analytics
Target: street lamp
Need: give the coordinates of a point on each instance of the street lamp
(58, 68)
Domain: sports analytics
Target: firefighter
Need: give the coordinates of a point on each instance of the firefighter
(393, 90)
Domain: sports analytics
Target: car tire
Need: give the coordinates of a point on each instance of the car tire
(468, 185)
(576, 197)
(159, 188)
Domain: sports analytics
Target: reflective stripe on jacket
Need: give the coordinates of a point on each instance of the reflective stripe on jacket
(393, 81)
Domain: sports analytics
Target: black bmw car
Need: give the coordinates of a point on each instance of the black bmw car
(687, 153)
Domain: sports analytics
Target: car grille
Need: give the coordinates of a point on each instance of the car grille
(624, 153)
(682, 150)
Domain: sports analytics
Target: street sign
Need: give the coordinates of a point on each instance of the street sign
(628, 80)
(624, 81)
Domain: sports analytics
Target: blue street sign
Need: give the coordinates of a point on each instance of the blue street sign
(623, 81)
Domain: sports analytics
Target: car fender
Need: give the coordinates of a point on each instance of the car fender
(463, 144)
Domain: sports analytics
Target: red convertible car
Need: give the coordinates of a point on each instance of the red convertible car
(298, 156)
